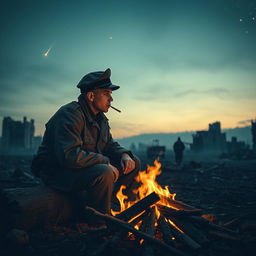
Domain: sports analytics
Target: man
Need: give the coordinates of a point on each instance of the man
(178, 148)
(78, 153)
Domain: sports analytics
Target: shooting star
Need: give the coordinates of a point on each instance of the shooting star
(45, 54)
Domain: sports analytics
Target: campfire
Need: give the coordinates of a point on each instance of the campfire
(155, 218)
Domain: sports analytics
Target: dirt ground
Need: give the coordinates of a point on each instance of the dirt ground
(225, 188)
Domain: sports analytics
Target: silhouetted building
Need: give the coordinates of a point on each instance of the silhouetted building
(17, 135)
(212, 140)
(236, 147)
(142, 147)
(253, 129)
(155, 151)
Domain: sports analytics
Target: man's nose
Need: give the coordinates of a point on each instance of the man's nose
(111, 99)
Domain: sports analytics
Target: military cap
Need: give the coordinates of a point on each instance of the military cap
(97, 80)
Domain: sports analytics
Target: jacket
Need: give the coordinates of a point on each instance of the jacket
(70, 140)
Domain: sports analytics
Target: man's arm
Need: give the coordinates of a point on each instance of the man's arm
(119, 154)
(67, 127)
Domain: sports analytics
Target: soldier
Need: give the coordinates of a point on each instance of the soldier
(178, 148)
(78, 152)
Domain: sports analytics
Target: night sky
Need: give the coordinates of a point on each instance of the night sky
(180, 64)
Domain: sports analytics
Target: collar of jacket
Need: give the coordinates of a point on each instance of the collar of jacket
(87, 112)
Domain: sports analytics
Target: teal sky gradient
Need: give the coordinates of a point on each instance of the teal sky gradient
(180, 64)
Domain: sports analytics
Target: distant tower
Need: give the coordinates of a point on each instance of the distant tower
(6, 132)
(17, 135)
(253, 129)
(212, 140)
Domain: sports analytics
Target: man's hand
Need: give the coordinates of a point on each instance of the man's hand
(127, 163)
(115, 171)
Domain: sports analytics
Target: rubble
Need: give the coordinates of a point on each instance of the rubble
(225, 189)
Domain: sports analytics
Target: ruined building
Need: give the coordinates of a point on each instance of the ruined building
(253, 129)
(212, 140)
(155, 151)
(235, 147)
(17, 135)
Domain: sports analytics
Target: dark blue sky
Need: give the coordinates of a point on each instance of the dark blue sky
(180, 64)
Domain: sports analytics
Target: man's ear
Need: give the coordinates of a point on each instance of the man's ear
(90, 96)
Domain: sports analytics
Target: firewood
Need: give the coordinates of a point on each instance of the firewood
(138, 207)
(170, 212)
(181, 236)
(164, 227)
(138, 218)
(212, 226)
(221, 234)
(144, 222)
(127, 227)
(110, 243)
(178, 205)
(150, 229)
(190, 230)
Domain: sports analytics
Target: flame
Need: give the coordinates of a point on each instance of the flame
(148, 182)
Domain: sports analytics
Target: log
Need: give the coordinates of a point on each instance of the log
(164, 227)
(35, 207)
(138, 207)
(212, 226)
(150, 229)
(110, 243)
(224, 235)
(170, 212)
(178, 205)
(127, 227)
(190, 230)
(181, 236)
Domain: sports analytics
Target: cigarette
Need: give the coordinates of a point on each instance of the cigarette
(116, 109)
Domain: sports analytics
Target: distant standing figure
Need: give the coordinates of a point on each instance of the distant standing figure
(178, 148)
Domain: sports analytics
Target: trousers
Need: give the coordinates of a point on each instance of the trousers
(94, 185)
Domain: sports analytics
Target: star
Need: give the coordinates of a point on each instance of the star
(110, 38)
(253, 18)
(240, 20)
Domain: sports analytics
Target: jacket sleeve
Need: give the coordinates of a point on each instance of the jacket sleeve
(67, 142)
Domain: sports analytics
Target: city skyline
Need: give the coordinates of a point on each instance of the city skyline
(180, 65)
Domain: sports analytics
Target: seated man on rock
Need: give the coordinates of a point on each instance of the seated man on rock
(78, 153)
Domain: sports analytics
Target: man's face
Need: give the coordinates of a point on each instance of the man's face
(102, 100)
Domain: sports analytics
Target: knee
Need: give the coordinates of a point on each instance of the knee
(106, 174)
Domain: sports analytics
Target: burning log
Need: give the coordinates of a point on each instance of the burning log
(150, 229)
(177, 204)
(191, 230)
(168, 235)
(117, 237)
(181, 236)
(138, 207)
(170, 212)
(127, 227)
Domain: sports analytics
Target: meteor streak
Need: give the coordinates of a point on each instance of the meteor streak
(47, 52)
